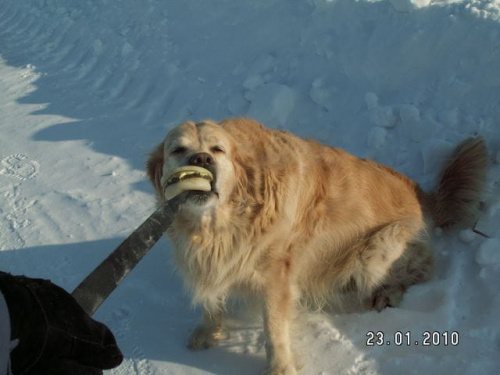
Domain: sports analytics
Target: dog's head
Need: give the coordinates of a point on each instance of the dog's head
(205, 144)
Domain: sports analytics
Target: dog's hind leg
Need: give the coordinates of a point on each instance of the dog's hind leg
(390, 260)
(415, 265)
(207, 334)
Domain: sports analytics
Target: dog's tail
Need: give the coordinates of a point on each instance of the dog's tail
(455, 204)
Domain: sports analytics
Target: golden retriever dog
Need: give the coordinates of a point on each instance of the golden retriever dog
(294, 222)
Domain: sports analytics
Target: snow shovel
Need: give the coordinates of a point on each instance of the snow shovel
(101, 282)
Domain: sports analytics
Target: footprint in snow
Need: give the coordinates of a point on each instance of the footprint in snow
(19, 166)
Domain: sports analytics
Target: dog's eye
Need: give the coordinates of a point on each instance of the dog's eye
(178, 150)
(217, 150)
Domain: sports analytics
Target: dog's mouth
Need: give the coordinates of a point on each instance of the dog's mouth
(199, 181)
(201, 197)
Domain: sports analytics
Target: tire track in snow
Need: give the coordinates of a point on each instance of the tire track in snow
(23, 34)
(80, 61)
(7, 25)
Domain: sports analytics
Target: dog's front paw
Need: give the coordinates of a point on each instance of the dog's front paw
(204, 337)
(281, 370)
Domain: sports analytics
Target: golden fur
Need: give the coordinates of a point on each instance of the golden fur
(296, 221)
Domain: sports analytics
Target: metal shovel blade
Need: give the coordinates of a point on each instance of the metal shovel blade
(101, 282)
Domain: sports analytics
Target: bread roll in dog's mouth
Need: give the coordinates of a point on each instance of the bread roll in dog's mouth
(188, 177)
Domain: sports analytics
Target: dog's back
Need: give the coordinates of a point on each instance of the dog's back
(351, 223)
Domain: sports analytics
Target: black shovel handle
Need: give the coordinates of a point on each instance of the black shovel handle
(101, 282)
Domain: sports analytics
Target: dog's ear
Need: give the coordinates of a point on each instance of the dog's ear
(154, 168)
(242, 173)
(245, 133)
(249, 178)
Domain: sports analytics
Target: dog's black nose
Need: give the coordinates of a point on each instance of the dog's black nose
(201, 159)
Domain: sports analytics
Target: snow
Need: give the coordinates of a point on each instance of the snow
(87, 88)
(272, 103)
(489, 252)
